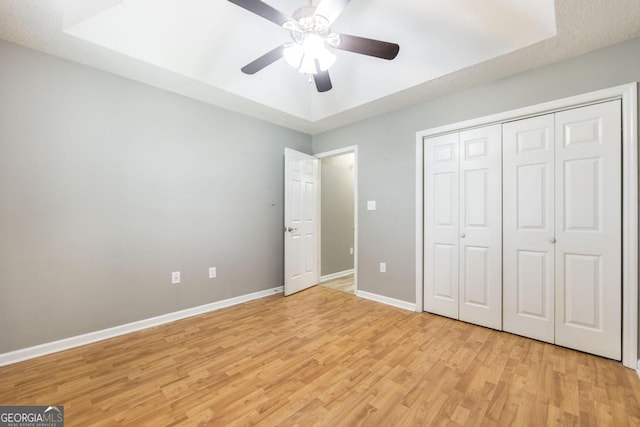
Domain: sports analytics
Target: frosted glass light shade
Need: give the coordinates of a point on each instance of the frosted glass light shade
(303, 56)
(325, 58)
(308, 65)
(314, 46)
(293, 53)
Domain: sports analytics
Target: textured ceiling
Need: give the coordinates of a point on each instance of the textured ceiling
(196, 48)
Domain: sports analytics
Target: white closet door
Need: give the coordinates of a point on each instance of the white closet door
(441, 225)
(588, 223)
(480, 283)
(528, 249)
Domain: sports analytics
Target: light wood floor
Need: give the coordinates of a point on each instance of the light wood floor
(344, 284)
(324, 357)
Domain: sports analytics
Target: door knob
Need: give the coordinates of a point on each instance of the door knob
(463, 235)
(552, 240)
(289, 229)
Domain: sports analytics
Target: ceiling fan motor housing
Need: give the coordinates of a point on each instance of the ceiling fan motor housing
(306, 22)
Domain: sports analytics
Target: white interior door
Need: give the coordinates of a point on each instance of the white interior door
(441, 228)
(480, 244)
(528, 227)
(300, 221)
(588, 229)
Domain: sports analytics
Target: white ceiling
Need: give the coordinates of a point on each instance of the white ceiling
(197, 47)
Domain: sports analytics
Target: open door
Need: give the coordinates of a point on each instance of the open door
(300, 221)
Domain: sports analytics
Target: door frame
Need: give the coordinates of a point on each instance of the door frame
(339, 151)
(628, 93)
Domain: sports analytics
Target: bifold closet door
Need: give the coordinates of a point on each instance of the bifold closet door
(441, 229)
(480, 276)
(588, 229)
(562, 228)
(463, 271)
(528, 227)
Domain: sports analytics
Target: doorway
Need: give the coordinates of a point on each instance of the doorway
(338, 219)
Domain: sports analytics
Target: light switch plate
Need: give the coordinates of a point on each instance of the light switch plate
(175, 278)
(383, 267)
(212, 272)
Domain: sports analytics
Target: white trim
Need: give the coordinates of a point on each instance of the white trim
(534, 110)
(344, 150)
(336, 275)
(419, 223)
(337, 151)
(355, 219)
(630, 225)
(91, 337)
(319, 221)
(629, 95)
(386, 300)
(638, 369)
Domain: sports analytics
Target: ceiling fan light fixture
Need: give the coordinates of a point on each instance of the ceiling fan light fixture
(308, 65)
(333, 39)
(314, 47)
(313, 44)
(293, 54)
(303, 56)
(326, 59)
(310, 52)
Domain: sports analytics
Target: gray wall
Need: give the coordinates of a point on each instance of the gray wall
(337, 208)
(386, 153)
(108, 185)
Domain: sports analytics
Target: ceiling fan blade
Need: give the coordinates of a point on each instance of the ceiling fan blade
(331, 9)
(266, 59)
(364, 46)
(260, 8)
(322, 80)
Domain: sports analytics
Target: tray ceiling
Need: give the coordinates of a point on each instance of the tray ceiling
(197, 47)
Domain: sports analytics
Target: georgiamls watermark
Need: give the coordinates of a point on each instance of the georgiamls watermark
(32, 416)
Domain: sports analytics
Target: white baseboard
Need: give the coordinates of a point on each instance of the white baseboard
(386, 300)
(91, 337)
(337, 275)
(638, 369)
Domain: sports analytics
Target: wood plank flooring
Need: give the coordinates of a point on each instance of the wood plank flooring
(344, 284)
(324, 357)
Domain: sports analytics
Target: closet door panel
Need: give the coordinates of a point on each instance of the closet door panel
(588, 220)
(441, 207)
(481, 227)
(528, 227)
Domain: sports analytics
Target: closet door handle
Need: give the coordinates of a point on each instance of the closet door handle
(463, 235)
(552, 240)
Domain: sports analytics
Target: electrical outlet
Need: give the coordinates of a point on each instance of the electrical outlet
(175, 277)
(371, 205)
(212, 273)
(383, 267)
(350, 251)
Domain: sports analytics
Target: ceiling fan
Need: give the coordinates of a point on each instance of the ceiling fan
(310, 29)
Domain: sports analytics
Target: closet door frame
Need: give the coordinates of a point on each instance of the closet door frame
(629, 95)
